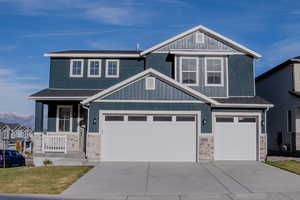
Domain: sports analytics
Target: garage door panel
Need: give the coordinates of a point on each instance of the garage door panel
(236, 140)
(149, 140)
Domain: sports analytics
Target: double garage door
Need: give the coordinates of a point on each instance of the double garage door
(171, 138)
(149, 138)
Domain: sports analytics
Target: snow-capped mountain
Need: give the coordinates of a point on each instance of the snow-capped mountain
(11, 117)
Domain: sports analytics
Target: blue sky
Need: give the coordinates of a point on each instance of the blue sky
(30, 28)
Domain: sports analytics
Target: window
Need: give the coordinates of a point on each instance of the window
(137, 118)
(112, 68)
(185, 118)
(289, 121)
(214, 71)
(150, 83)
(247, 119)
(94, 68)
(114, 118)
(199, 37)
(224, 119)
(189, 70)
(162, 118)
(64, 118)
(76, 68)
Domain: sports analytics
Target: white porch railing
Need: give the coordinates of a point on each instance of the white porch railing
(54, 143)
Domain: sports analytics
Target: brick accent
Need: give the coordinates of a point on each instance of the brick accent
(93, 147)
(263, 147)
(206, 147)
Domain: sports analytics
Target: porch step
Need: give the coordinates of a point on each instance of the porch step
(74, 155)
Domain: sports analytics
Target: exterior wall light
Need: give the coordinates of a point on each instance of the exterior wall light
(204, 121)
(263, 122)
(94, 121)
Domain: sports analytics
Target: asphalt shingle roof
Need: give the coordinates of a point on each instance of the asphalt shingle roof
(65, 93)
(242, 100)
(97, 52)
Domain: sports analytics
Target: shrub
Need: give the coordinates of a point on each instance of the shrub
(47, 162)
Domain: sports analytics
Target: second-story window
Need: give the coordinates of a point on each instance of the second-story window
(112, 68)
(214, 69)
(76, 68)
(94, 68)
(189, 71)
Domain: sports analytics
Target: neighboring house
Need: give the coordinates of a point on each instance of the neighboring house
(281, 86)
(189, 98)
(11, 133)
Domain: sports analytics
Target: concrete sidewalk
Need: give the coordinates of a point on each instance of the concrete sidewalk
(217, 180)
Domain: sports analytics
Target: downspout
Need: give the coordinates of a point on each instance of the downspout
(86, 129)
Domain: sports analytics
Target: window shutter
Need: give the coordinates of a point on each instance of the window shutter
(150, 83)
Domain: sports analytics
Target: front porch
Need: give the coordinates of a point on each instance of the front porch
(60, 131)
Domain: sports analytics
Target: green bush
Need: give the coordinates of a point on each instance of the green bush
(47, 162)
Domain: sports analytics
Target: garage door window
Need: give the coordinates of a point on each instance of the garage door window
(247, 119)
(162, 118)
(225, 119)
(114, 118)
(137, 118)
(185, 118)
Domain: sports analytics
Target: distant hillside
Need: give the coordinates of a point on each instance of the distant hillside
(10, 117)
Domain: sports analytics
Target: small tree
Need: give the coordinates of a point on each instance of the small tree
(47, 162)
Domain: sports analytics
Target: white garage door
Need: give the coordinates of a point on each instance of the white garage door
(235, 138)
(149, 138)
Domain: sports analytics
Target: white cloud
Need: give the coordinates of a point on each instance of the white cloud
(14, 92)
(57, 34)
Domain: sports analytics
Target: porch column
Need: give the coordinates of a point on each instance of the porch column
(39, 116)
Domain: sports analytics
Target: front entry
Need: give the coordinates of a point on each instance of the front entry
(148, 137)
(235, 137)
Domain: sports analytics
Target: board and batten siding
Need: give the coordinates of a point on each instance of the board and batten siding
(162, 91)
(95, 107)
(211, 91)
(189, 42)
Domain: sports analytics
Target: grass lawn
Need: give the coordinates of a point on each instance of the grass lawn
(39, 180)
(289, 165)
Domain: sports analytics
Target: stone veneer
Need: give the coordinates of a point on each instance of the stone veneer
(93, 148)
(206, 147)
(37, 143)
(263, 150)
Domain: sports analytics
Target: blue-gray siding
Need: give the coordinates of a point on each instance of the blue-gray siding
(39, 114)
(137, 91)
(275, 89)
(96, 107)
(241, 75)
(161, 62)
(60, 74)
(189, 42)
(211, 91)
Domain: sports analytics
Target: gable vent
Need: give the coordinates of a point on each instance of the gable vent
(150, 83)
(199, 37)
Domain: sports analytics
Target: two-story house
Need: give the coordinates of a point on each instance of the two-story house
(281, 86)
(189, 98)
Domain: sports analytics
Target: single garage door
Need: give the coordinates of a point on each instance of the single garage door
(235, 138)
(148, 138)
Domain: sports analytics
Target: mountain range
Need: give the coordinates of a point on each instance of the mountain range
(11, 117)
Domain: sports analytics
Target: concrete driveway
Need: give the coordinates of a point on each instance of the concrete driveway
(186, 181)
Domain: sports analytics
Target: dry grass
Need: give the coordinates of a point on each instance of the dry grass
(289, 165)
(39, 180)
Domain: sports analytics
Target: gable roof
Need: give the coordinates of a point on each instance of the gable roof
(147, 72)
(206, 30)
(277, 68)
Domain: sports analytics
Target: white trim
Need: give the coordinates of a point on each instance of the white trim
(227, 76)
(58, 98)
(141, 75)
(198, 33)
(106, 68)
(206, 71)
(96, 55)
(148, 86)
(258, 133)
(232, 105)
(89, 67)
(201, 53)
(149, 101)
(205, 30)
(57, 118)
(197, 71)
(71, 68)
